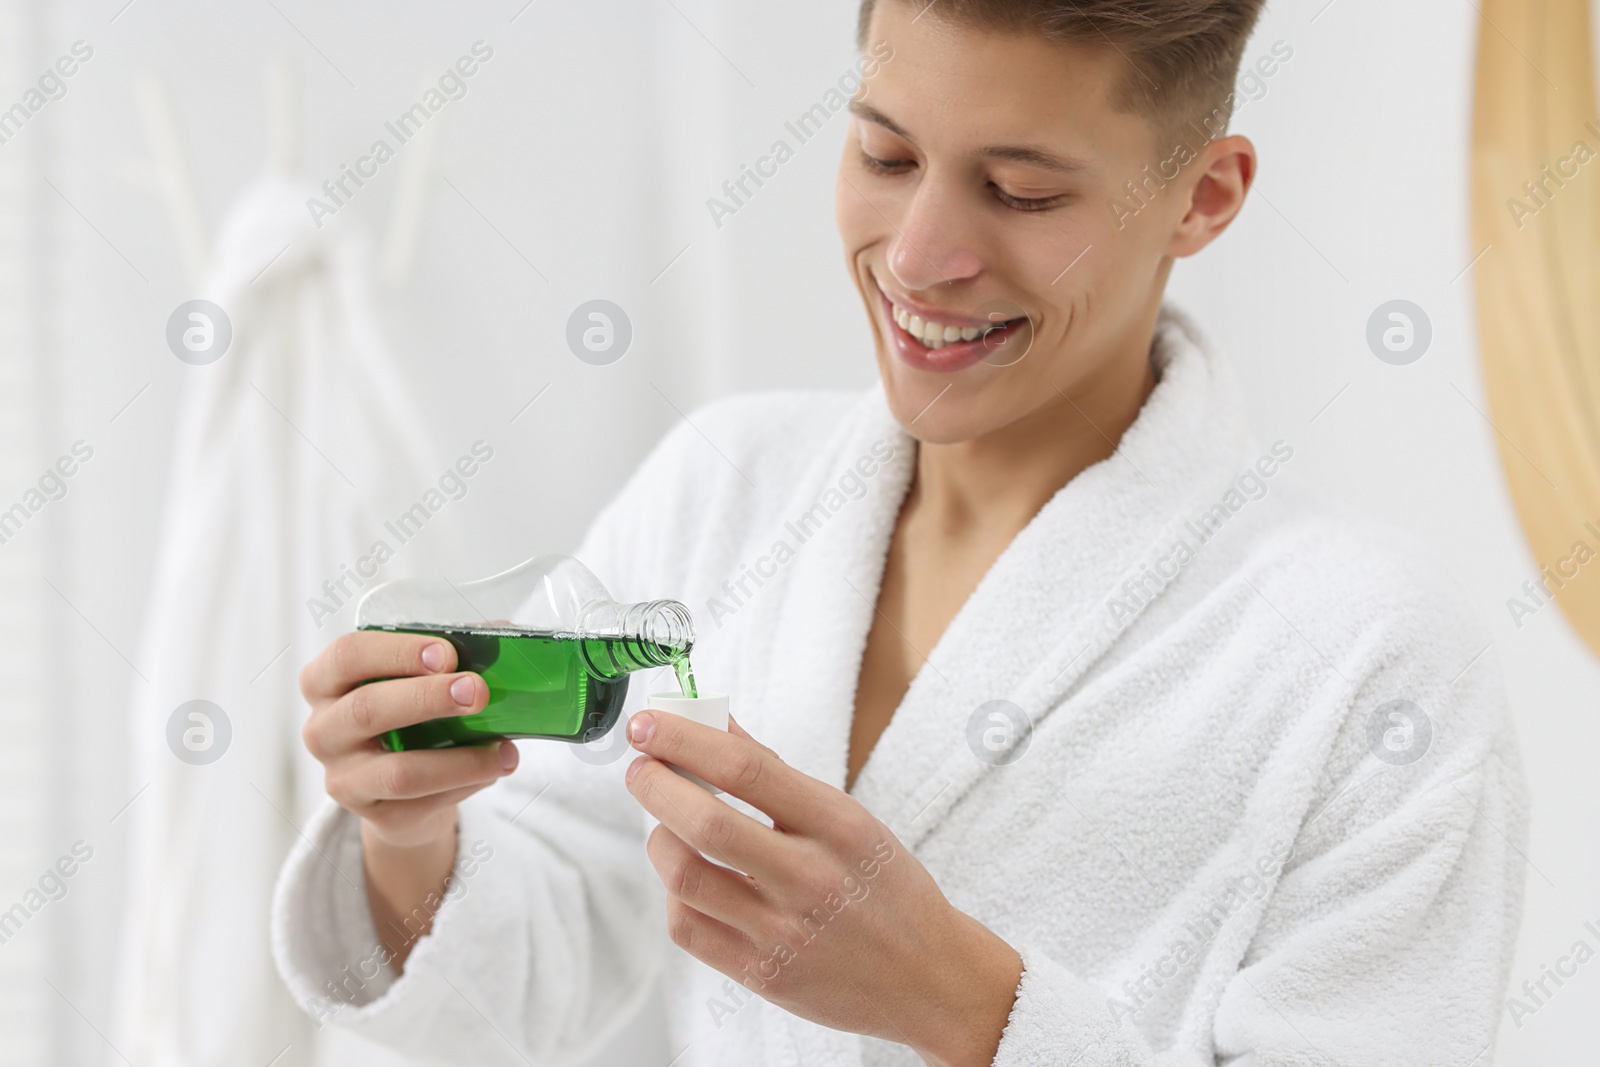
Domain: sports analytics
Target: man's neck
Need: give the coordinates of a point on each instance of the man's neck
(1006, 476)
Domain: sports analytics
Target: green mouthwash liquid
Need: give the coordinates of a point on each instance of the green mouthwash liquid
(564, 687)
(685, 675)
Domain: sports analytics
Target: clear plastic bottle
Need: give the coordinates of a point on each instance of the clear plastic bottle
(554, 648)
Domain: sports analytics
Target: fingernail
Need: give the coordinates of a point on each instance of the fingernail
(641, 726)
(508, 756)
(633, 768)
(433, 656)
(462, 691)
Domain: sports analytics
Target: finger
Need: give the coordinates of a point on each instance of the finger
(372, 710)
(735, 764)
(392, 815)
(383, 776)
(361, 656)
(724, 895)
(712, 942)
(704, 822)
(740, 731)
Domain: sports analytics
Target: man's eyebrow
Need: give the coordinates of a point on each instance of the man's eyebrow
(1032, 156)
(1028, 155)
(872, 114)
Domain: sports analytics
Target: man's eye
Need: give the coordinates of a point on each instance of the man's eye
(883, 166)
(1021, 203)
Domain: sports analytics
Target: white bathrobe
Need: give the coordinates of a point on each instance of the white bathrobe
(1215, 838)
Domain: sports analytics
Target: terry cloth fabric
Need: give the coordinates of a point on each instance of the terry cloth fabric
(1232, 772)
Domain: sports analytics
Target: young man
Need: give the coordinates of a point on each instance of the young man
(1084, 740)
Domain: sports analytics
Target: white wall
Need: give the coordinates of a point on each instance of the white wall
(591, 143)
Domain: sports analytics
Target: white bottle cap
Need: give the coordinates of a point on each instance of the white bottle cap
(708, 709)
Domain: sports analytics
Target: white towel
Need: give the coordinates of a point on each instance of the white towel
(1214, 848)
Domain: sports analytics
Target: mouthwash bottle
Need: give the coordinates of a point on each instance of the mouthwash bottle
(556, 651)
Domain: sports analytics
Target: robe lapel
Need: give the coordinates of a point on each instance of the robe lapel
(806, 637)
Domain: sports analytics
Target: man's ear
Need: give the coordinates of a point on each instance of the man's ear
(1226, 168)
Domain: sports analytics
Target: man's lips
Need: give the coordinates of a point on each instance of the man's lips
(940, 341)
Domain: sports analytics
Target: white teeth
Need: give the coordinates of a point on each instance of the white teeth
(934, 334)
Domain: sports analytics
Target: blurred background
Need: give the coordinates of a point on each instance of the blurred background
(219, 517)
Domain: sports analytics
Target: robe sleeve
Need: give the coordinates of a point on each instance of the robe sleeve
(1389, 935)
(550, 928)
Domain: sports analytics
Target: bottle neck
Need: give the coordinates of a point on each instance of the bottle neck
(618, 639)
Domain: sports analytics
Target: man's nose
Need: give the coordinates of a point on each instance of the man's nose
(933, 242)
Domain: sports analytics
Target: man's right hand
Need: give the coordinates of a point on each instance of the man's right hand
(363, 685)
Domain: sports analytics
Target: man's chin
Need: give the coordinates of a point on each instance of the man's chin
(935, 413)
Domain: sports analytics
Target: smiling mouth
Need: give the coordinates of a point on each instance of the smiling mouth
(935, 333)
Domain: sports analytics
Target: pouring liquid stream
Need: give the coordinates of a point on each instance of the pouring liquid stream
(685, 673)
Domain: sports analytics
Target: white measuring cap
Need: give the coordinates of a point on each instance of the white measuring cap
(708, 709)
